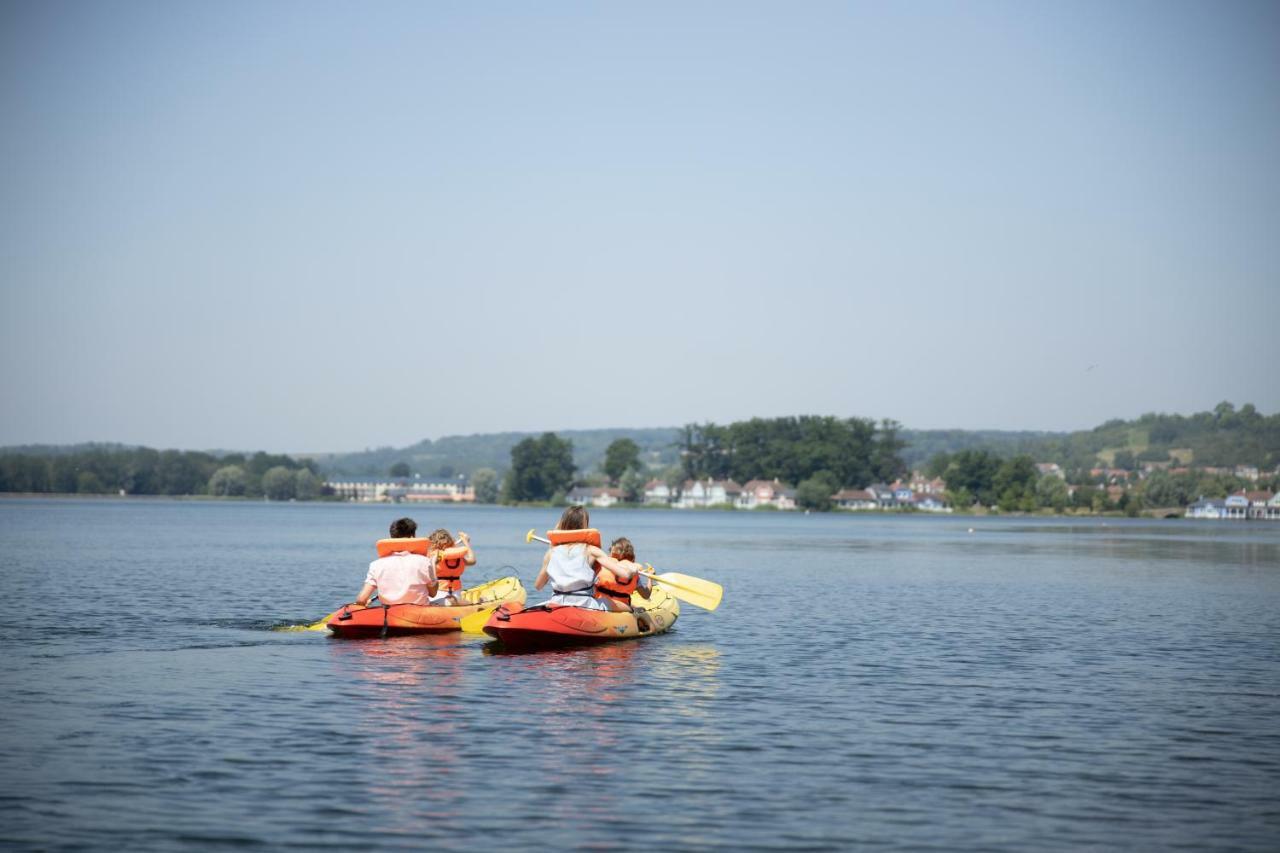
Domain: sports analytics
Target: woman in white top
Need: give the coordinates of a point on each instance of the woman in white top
(571, 567)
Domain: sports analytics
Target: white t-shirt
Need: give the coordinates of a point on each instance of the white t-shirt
(402, 578)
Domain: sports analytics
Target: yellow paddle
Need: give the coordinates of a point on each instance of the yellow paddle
(697, 591)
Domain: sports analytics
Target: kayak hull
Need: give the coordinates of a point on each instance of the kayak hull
(551, 626)
(402, 619)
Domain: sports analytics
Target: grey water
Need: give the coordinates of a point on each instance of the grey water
(869, 682)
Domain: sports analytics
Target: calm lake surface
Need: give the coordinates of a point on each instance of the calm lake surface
(869, 681)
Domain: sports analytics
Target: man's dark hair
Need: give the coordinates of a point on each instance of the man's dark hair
(403, 528)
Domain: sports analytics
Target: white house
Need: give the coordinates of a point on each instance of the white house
(1210, 508)
(855, 499)
(455, 490)
(1237, 506)
(708, 492)
(930, 503)
(1258, 503)
(766, 493)
(594, 496)
(657, 493)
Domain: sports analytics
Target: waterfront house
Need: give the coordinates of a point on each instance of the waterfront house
(1207, 508)
(594, 496)
(708, 492)
(858, 499)
(1273, 508)
(1258, 503)
(883, 495)
(453, 490)
(930, 503)
(657, 493)
(1236, 505)
(758, 493)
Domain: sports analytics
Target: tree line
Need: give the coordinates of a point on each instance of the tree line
(145, 471)
(819, 454)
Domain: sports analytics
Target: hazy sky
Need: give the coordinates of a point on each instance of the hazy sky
(325, 226)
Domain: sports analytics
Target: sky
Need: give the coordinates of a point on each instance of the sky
(317, 226)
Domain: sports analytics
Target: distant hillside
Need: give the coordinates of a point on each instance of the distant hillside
(1224, 437)
(924, 444)
(463, 454)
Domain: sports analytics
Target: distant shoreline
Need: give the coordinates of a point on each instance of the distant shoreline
(979, 513)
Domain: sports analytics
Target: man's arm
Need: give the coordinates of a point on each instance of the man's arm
(366, 592)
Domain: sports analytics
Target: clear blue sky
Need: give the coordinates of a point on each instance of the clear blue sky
(325, 226)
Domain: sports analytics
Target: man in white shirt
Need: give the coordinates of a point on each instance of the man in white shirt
(402, 577)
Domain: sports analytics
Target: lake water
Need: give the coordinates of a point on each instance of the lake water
(869, 681)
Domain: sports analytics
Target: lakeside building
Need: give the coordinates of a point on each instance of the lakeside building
(1256, 506)
(704, 493)
(402, 489)
(657, 493)
(595, 496)
(855, 499)
(758, 493)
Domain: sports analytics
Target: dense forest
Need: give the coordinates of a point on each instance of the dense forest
(848, 451)
(115, 469)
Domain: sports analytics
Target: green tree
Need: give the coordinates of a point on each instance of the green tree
(1051, 491)
(400, 469)
(485, 483)
(540, 468)
(89, 484)
(816, 492)
(1124, 459)
(632, 485)
(228, 481)
(973, 471)
(1015, 484)
(306, 485)
(621, 454)
(278, 483)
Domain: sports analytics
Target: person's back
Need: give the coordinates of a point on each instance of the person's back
(571, 562)
(570, 568)
(404, 574)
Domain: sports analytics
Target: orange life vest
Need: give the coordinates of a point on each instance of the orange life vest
(568, 537)
(589, 535)
(387, 547)
(608, 584)
(450, 564)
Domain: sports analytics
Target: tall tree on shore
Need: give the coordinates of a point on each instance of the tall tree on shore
(540, 467)
(621, 454)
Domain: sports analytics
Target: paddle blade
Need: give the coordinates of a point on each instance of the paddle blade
(473, 623)
(696, 591)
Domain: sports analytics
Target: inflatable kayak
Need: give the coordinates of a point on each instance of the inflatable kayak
(378, 620)
(548, 626)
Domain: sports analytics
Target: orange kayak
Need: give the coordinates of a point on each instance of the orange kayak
(396, 619)
(552, 626)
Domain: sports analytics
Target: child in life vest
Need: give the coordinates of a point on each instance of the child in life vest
(571, 561)
(451, 562)
(617, 593)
